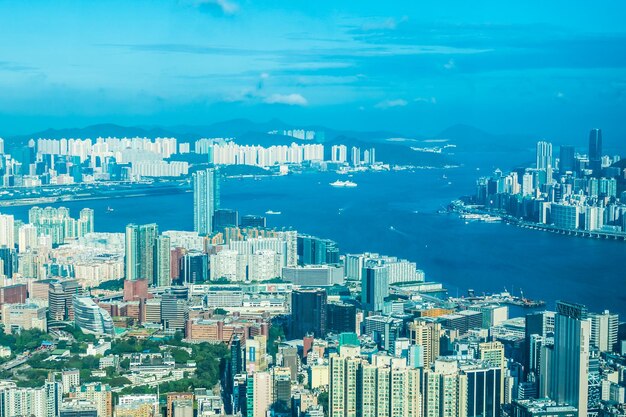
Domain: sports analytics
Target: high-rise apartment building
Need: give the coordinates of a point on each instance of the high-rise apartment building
(162, 261)
(427, 335)
(604, 329)
(206, 200)
(445, 391)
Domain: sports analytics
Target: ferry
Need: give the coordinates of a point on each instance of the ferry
(273, 212)
(343, 184)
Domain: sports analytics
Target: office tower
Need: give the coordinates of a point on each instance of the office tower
(194, 268)
(384, 330)
(174, 310)
(308, 313)
(315, 251)
(544, 162)
(225, 218)
(289, 359)
(567, 159)
(485, 389)
(604, 328)
(341, 317)
(60, 299)
(7, 230)
(281, 390)
(570, 361)
(541, 324)
(595, 150)
(252, 221)
(260, 394)
(162, 259)
(9, 259)
(90, 318)
(427, 335)
(139, 251)
(206, 200)
(237, 366)
(374, 287)
(445, 390)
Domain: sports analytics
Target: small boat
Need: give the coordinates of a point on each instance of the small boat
(273, 212)
(110, 209)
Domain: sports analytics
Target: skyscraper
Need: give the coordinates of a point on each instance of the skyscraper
(445, 391)
(595, 150)
(308, 313)
(7, 230)
(544, 160)
(342, 396)
(427, 335)
(604, 329)
(139, 251)
(374, 287)
(162, 259)
(206, 200)
(544, 155)
(570, 363)
(567, 158)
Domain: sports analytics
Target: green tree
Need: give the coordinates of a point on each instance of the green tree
(322, 399)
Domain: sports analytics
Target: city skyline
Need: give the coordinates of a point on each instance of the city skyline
(330, 209)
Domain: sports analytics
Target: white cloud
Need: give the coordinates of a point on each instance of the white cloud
(386, 24)
(387, 104)
(289, 99)
(450, 64)
(228, 7)
(431, 100)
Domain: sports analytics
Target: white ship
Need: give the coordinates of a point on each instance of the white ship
(272, 212)
(343, 184)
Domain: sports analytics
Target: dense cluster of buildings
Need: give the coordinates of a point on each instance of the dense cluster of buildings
(73, 161)
(311, 331)
(572, 192)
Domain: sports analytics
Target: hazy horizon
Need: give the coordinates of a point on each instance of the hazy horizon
(552, 70)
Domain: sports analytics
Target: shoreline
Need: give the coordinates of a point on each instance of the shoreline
(461, 209)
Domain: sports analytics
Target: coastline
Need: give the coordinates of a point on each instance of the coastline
(457, 207)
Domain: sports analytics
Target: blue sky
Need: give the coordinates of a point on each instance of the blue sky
(553, 69)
